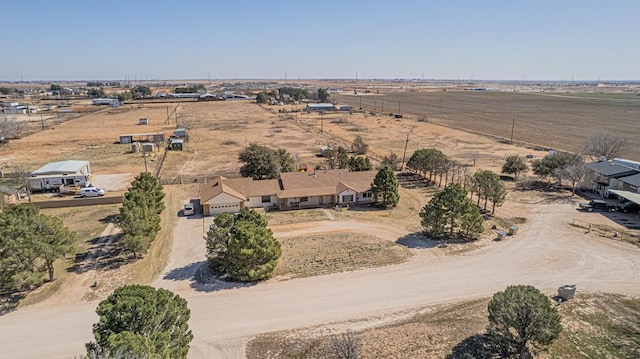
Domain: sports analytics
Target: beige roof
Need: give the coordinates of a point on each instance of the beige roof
(291, 184)
(240, 188)
(324, 182)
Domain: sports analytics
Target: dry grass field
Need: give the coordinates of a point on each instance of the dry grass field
(550, 120)
(595, 326)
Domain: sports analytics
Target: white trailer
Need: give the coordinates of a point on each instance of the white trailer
(55, 182)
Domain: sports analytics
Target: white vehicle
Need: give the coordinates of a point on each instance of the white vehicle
(91, 192)
(188, 210)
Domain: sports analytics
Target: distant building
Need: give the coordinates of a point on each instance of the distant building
(320, 107)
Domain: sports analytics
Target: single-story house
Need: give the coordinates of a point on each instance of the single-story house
(293, 190)
(232, 194)
(606, 173)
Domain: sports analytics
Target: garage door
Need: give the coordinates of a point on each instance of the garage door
(224, 208)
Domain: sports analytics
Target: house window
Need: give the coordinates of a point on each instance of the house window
(347, 198)
(367, 195)
(304, 199)
(266, 199)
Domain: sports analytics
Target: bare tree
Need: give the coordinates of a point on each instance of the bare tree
(22, 177)
(10, 128)
(345, 346)
(605, 145)
(391, 160)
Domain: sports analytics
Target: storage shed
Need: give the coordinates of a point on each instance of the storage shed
(176, 145)
(147, 147)
(141, 137)
(180, 133)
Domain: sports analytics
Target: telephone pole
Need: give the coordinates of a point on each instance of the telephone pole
(404, 155)
(513, 125)
(321, 121)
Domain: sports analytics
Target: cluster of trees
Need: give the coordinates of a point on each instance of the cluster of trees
(241, 246)
(385, 188)
(30, 242)
(263, 96)
(10, 127)
(295, 92)
(261, 162)
(55, 87)
(435, 164)
(561, 166)
(488, 187)
(96, 92)
(138, 91)
(140, 213)
(6, 91)
(190, 89)
(141, 322)
(323, 95)
(338, 158)
(450, 212)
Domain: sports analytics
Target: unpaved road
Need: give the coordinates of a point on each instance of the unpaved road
(546, 253)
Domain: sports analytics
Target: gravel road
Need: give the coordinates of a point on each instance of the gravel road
(546, 253)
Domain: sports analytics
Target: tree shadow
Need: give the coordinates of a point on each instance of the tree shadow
(203, 279)
(477, 346)
(417, 241)
(104, 254)
(9, 302)
(112, 218)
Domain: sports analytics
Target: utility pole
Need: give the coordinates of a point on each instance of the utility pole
(513, 125)
(41, 121)
(167, 114)
(375, 105)
(321, 121)
(404, 155)
(360, 101)
(398, 107)
(382, 109)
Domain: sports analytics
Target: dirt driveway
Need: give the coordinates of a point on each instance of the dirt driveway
(546, 253)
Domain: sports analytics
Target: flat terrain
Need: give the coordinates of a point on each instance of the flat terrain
(552, 120)
(547, 251)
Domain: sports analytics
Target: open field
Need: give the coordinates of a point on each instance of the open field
(333, 252)
(561, 121)
(595, 326)
(93, 137)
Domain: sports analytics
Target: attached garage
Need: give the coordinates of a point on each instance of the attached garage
(223, 202)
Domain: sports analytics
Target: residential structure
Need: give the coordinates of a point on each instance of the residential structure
(618, 177)
(293, 190)
(320, 107)
(55, 174)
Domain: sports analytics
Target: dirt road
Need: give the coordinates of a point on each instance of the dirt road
(546, 253)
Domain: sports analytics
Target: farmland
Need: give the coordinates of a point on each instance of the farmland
(550, 120)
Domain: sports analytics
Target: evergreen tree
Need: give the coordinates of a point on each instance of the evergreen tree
(30, 243)
(142, 322)
(360, 163)
(385, 188)
(146, 183)
(514, 165)
(451, 211)
(522, 316)
(242, 247)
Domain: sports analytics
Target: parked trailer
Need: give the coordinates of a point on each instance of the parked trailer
(53, 182)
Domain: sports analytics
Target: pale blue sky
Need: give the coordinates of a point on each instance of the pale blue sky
(502, 40)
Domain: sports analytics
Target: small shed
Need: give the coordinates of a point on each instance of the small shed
(147, 147)
(180, 133)
(176, 145)
(135, 147)
(513, 230)
(143, 121)
(502, 235)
